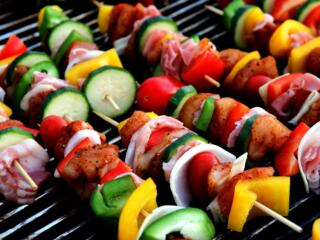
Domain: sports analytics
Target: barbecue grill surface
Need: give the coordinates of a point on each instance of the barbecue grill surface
(57, 212)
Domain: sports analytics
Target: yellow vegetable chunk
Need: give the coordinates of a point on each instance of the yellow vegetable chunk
(104, 17)
(316, 230)
(273, 192)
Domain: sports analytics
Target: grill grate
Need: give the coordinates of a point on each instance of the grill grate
(57, 212)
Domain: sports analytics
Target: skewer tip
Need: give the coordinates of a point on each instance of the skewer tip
(107, 119)
(25, 175)
(214, 82)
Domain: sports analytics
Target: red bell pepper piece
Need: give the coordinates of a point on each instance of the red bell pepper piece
(13, 47)
(121, 168)
(34, 132)
(279, 86)
(157, 136)
(285, 161)
(313, 20)
(284, 9)
(236, 114)
(208, 63)
(83, 144)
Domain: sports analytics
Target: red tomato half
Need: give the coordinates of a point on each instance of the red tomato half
(51, 129)
(154, 93)
(198, 171)
(313, 20)
(255, 82)
(13, 47)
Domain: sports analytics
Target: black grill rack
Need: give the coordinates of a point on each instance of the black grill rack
(57, 212)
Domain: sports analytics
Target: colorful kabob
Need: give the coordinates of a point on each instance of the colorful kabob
(33, 87)
(196, 171)
(109, 88)
(225, 121)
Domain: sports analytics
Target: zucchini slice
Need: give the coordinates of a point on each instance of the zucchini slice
(66, 101)
(26, 80)
(27, 59)
(154, 23)
(114, 82)
(11, 136)
(179, 99)
(60, 33)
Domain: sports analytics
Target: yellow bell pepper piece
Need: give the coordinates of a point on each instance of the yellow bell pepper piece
(280, 42)
(273, 192)
(152, 115)
(41, 13)
(104, 17)
(254, 16)
(6, 109)
(241, 64)
(298, 56)
(143, 198)
(7, 61)
(82, 70)
(316, 230)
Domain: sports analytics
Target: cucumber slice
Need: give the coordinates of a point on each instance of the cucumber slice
(157, 71)
(179, 99)
(26, 80)
(51, 18)
(154, 23)
(60, 32)
(305, 9)
(27, 59)
(191, 223)
(237, 26)
(12, 135)
(173, 147)
(229, 12)
(65, 101)
(243, 138)
(205, 115)
(111, 81)
(73, 36)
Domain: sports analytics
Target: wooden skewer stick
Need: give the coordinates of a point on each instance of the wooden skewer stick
(25, 175)
(212, 81)
(113, 103)
(214, 9)
(107, 119)
(67, 118)
(144, 213)
(278, 217)
(98, 4)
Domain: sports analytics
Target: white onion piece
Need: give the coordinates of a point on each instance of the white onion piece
(308, 139)
(311, 99)
(2, 93)
(79, 136)
(155, 215)
(24, 104)
(179, 180)
(90, 54)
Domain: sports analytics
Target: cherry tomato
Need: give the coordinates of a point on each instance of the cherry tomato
(198, 171)
(13, 47)
(154, 93)
(157, 136)
(255, 82)
(50, 130)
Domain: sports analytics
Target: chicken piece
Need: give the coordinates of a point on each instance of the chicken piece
(225, 196)
(313, 115)
(191, 107)
(266, 66)
(223, 108)
(136, 121)
(267, 134)
(217, 177)
(230, 57)
(33, 159)
(92, 162)
(67, 133)
(313, 62)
